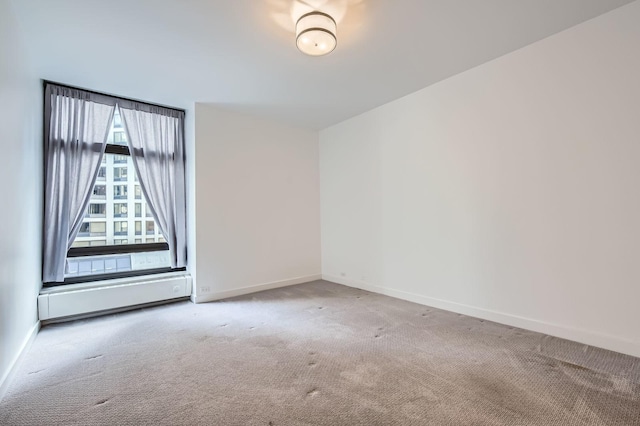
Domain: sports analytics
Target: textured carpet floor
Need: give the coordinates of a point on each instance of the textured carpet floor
(314, 354)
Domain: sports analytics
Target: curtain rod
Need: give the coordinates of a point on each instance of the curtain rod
(45, 82)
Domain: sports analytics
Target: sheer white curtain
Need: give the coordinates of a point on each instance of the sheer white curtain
(76, 130)
(156, 140)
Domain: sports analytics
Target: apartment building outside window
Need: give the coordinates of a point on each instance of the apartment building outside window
(117, 200)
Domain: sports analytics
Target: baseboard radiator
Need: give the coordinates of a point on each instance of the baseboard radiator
(75, 300)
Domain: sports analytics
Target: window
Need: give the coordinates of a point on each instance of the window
(117, 120)
(112, 237)
(119, 138)
(97, 210)
(120, 210)
(119, 173)
(102, 173)
(93, 229)
(116, 231)
(99, 191)
(120, 228)
(120, 192)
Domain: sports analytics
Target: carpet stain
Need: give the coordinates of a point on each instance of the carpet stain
(312, 363)
(312, 393)
(102, 402)
(93, 357)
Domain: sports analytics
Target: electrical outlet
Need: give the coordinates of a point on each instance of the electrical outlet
(205, 289)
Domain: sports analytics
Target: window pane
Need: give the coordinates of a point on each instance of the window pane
(120, 210)
(120, 191)
(117, 121)
(120, 228)
(99, 191)
(119, 138)
(119, 173)
(97, 228)
(97, 210)
(102, 173)
(110, 203)
(112, 218)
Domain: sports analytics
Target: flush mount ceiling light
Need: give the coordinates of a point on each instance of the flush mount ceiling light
(316, 34)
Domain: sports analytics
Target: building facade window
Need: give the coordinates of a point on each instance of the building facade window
(119, 138)
(120, 173)
(120, 210)
(102, 173)
(120, 192)
(97, 210)
(99, 191)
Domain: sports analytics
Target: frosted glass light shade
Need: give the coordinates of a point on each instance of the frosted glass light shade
(316, 34)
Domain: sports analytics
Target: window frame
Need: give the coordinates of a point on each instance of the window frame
(116, 248)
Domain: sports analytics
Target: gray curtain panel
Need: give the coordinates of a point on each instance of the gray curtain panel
(76, 130)
(156, 140)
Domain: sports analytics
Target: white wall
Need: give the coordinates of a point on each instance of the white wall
(21, 194)
(257, 209)
(509, 192)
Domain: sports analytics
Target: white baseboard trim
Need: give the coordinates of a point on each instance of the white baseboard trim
(210, 297)
(5, 380)
(605, 341)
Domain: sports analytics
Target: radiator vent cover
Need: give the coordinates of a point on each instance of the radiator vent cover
(79, 299)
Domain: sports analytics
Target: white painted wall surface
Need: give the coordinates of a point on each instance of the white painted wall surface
(21, 192)
(509, 192)
(258, 211)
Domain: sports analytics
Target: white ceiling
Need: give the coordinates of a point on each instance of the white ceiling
(241, 54)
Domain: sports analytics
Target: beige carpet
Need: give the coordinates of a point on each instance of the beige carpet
(314, 354)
